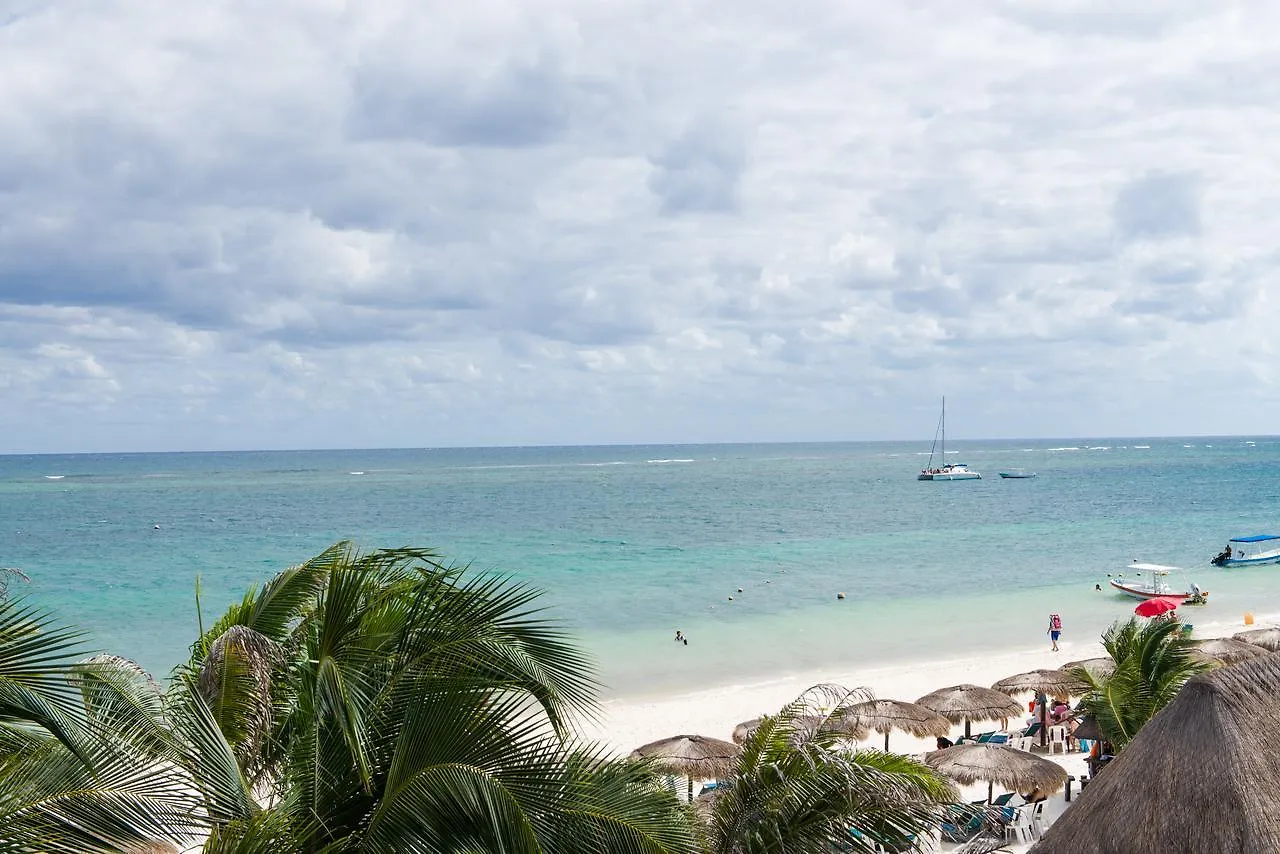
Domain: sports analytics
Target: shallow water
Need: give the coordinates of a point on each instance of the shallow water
(634, 542)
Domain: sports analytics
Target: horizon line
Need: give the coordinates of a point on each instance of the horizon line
(553, 446)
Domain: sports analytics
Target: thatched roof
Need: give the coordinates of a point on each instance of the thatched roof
(885, 716)
(961, 703)
(1228, 650)
(846, 727)
(1053, 682)
(995, 763)
(1268, 639)
(1199, 777)
(1099, 666)
(690, 755)
(1088, 728)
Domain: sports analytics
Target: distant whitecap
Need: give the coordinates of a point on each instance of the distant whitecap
(663, 462)
(54, 476)
(1142, 447)
(355, 472)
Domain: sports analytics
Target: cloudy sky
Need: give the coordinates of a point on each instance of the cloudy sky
(403, 223)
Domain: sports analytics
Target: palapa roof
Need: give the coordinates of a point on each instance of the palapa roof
(1228, 650)
(691, 755)
(995, 763)
(885, 716)
(1268, 639)
(850, 728)
(1200, 776)
(1100, 666)
(1040, 681)
(961, 703)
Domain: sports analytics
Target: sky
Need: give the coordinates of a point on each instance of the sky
(406, 223)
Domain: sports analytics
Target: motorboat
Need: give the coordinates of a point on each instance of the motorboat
(1148, 582)
(1249, 551)
(946, 471)
(1017, 474)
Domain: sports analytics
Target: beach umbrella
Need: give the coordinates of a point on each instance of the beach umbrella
(1268, 639)
(691, 756)
(1017, 770)
(1042, 683)
(1228, 650)
(1155, 607)
(884, 716)
(1097, 666)
(835, 723)
(1200, 776)
(968, 703)
(1088, 728)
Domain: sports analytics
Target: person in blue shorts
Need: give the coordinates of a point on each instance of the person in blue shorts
(1055, 630)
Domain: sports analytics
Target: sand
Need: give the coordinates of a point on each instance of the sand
(626, 723)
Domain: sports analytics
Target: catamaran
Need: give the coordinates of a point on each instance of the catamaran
(946, 471)
(1153, 586)
(1250, 551)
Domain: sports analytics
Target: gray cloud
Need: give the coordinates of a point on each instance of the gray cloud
(625, 221)
(1158, 205)
(699, 171)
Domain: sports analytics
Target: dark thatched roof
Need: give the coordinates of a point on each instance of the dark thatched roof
(1227, 650)
(1268, 639)
(1100, 666)
(961, 703)
(1199, 777)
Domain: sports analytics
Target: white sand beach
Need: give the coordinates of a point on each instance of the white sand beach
(629, 722)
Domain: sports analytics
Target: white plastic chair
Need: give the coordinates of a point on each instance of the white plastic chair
(1025, 742)
(1058, 739)
(1022, 828)
(1037, 820)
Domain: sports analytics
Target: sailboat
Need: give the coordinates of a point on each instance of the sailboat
(946, 471)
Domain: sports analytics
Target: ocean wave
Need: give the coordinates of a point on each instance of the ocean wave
(54, 476)
(1099, 447)
(1063, 449)
(1142, 447)
(663, 462)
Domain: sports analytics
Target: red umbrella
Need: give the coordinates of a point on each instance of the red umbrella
(1156, 607)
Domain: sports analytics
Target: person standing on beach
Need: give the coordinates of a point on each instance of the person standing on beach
(1055, 630)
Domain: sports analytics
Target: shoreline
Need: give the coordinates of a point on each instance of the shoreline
(626, 722)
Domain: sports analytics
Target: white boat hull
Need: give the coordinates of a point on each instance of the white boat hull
(1143, 590)
(963, 475)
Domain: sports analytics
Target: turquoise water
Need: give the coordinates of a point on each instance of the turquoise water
(634, 542)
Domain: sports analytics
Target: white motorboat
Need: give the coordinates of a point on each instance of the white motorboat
(1250, 551)
(946, 471)
(1148, 581)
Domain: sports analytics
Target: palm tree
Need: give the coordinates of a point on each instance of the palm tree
(795, 788)
(359, 701)
(1153, 660)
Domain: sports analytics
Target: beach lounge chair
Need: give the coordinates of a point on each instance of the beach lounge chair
(962, 832)
(999, 738)
(1003, 800)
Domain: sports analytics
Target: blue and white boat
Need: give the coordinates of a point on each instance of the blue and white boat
(947, 471)
(1249, 551)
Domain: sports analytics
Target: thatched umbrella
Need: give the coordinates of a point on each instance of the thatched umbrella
(690, 755)
(967, 703)
(1200, 776)
(1268, 639)
(848, 728)
(884, 716)
(1227, 650)
(995, 763)
(1041, 683)
(1100, 666)
(1088, 728)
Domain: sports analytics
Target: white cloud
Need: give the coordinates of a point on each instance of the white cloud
(431, 223)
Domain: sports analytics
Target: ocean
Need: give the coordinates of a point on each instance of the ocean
(632, 543)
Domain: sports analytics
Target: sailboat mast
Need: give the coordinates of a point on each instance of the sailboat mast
(944, 429)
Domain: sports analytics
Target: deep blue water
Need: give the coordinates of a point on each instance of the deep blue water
(633, 542)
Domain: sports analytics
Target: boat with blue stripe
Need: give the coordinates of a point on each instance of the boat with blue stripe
(1249, 551)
